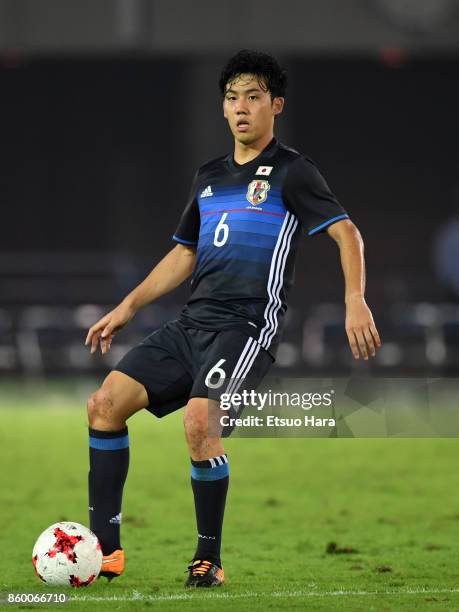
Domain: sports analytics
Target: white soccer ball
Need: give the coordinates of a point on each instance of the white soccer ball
(67, 554)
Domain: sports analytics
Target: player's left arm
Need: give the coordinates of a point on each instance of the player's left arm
(360, 326)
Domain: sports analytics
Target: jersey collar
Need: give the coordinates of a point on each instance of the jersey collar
(267, 152)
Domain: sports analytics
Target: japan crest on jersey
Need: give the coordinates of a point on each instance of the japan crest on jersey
(257, 192)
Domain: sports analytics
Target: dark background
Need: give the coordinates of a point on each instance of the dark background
(98, 154)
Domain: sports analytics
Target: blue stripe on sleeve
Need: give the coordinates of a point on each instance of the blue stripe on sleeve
(177, 239)
(109, 443)
(326, 223)
(216, 473)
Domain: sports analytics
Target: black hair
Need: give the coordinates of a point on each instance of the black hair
(271, 75)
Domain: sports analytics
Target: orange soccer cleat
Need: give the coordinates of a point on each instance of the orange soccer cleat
(204, 574)
(112, 565)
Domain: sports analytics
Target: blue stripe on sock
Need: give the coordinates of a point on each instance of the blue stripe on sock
(109, 443)
(216, 473)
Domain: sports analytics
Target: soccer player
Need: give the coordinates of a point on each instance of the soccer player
(237, 238)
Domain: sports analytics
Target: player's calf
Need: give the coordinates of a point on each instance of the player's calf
(209, 481)
(108, 409)
(198, 420)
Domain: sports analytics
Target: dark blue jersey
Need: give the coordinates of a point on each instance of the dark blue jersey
(245, 221)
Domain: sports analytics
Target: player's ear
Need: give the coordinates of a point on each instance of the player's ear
(224, 111)
(278, 105)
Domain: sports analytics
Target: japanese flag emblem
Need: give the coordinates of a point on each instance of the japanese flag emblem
(264, 170)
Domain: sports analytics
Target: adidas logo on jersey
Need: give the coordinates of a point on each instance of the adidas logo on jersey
(207, 192)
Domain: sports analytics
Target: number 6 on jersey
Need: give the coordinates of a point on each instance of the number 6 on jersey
(219, 238)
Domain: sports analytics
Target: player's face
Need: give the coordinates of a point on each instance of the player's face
(249, 109)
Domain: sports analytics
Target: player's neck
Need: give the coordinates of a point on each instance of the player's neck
(244, 154)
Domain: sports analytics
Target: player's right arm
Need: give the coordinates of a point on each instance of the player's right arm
(170, 272)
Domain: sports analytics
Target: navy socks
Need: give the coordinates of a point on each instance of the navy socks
(209, 481)
(109, 463)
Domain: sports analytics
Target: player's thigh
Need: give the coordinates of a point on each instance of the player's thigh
(127, 395)
(118, 398)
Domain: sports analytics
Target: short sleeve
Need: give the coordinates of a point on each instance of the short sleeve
(187, 231)
(308, 196)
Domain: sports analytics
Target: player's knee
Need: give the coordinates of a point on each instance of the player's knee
(100, 408)
(195, 420)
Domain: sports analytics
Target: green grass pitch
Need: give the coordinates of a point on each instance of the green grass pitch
(387, 510)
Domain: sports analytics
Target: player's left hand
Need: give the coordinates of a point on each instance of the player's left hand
(361, 329)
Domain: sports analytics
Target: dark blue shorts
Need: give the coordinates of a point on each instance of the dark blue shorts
(176, 363)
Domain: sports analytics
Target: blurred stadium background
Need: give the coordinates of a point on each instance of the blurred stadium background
(106, 109)
(108, 106)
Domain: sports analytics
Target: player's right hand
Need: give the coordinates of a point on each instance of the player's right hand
(105, 329)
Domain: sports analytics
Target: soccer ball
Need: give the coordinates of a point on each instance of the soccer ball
(67, 554)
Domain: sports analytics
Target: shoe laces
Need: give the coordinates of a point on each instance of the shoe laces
(199, 568)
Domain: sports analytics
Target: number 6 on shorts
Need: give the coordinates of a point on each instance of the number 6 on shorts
(216, 370)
